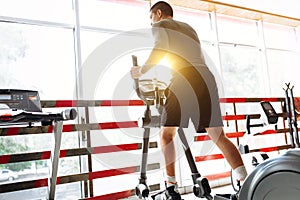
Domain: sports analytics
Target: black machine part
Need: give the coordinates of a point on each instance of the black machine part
(20, 107)
(46, 119)
(274, 179)
(270, 112)
(27, 100)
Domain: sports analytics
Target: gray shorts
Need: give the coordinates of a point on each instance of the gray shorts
(194, 96)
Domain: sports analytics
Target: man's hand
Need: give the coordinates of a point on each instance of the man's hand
(136, 72)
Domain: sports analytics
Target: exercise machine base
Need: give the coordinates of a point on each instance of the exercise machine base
(158, 196)
(226, 197)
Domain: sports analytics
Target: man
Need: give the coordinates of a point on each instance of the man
(192, 93)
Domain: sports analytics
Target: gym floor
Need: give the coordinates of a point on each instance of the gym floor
(227, 189)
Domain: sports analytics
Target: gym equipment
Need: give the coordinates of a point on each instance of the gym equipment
(21, 99)
(152, 93)
(277, 178)
(271, 118)
(274, 179)
(23, 107)
(251, 160)
(291, 115)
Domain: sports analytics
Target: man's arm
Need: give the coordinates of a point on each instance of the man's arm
(160, 48)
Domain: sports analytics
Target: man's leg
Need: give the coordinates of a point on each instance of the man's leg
(229, 151)
(167, 145)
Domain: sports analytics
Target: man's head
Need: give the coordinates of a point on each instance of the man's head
(160, 10)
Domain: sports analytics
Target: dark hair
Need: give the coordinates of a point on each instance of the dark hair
(165, 8)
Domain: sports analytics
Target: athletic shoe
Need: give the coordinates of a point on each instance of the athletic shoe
(169, 194)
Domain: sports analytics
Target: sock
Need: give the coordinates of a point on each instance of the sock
(240, 173)
(171, 181)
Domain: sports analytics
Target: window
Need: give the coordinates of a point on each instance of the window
(37, 53)
(200, 21)
(282, 56)
(46, 10)
(118, 15)
(241, 71)
(279, 37)
(238, 31)
(107, 62)
(38, 58)
(283, 68)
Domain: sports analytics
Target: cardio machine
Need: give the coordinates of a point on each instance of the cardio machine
(22, 108)
(273, 179)
(152, 93)
(277, 178)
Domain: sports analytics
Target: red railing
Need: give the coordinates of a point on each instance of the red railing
(88, 150)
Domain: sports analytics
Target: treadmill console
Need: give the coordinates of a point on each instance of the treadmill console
(27, 100)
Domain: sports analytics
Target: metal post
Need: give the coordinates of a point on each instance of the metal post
(293, 117)
(201, 187)
(55, 152)
(288, 114)
(86, 187)
(146, 136)
(189, 155)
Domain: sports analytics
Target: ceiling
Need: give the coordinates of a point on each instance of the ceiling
(288, 8)
(285, 12)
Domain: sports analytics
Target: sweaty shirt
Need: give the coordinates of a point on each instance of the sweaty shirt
(178, 42)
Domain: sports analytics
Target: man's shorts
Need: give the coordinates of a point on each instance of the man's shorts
(192, 95)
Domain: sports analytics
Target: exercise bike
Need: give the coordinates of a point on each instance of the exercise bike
(152, 93)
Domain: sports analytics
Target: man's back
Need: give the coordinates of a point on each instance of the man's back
(183, 45)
